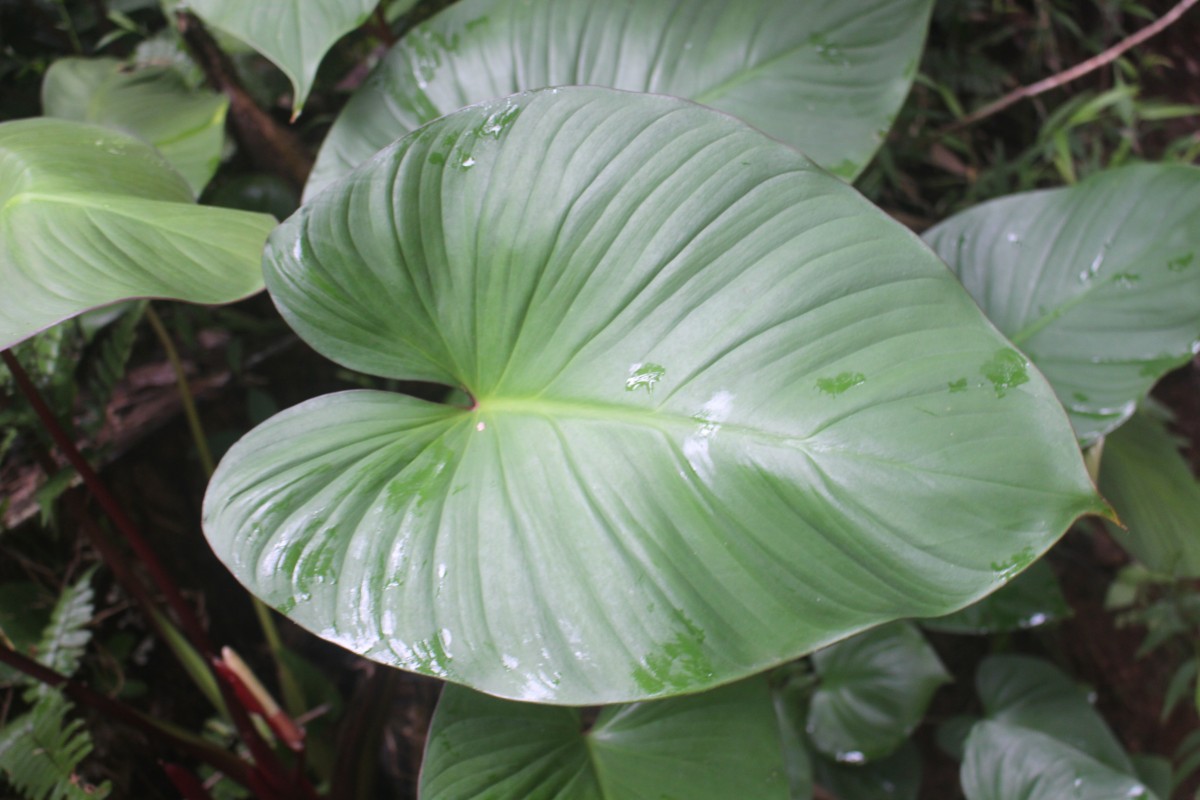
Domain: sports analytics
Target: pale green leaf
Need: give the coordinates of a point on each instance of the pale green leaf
(1098, 284)
(825, 77)
(712, 746)
(154, 103)
(715, 422)
(293, 34)
(89, 216)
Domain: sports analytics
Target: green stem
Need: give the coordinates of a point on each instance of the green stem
(185, 390)
(293, 698)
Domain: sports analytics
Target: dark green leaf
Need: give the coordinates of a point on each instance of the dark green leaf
(873, 691)
(713, 746)
(1032, 693)
(1009, 762)
(1150, 485)
(1032, 599)
(895, 777)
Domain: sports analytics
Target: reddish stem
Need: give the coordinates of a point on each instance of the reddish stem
(111, 507)
(185, 781)
(227, 763)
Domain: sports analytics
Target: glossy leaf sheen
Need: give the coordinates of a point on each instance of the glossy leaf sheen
(711, 746)
(1032, 693)
(874, 689)
(293, 34)
(1146, 479)
(825, 77)
(89, 216)
(1099, 283)
(714, 427)
(155, 104)
(1007, 762)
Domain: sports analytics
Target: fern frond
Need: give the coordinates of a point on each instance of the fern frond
(41, 750)
(107, 355)
(66, 635)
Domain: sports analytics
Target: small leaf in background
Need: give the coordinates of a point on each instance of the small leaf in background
(575, 537)
(293, 34)
(872, 693)
(266, 194)
(827, 78)
(1153, 489)
(90, 216)
(894, 777)
(716, 745)
(1034, 694)
(1031, 600)
(1099, 284)
(156, 104)
(1005, 761)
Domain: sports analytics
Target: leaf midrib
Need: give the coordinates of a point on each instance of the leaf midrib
(654, 418)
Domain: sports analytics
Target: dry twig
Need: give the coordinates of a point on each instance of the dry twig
(1079, 70)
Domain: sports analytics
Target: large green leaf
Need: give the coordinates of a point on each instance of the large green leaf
(155, 104)
(89, 216)
(293, 34)
(825, 77)
(1099, 284)
(1154, 491)
(1008, 762)
(716, 422)
(712, 746)
(874, 689)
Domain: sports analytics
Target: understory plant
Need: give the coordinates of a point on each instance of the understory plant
(677, 448)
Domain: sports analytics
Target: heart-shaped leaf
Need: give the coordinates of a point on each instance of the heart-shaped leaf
(154, 103)
(715, 423)
(825, 77)
(1099, 284)
(874, 689)
(1006, 761)
(1154, 491)
(89, 216)
(712, 746)
(294, 34)
(1031, 600)
(1033, 694)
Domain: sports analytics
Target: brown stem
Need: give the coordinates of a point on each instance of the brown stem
(112, 508)
(219, 759)
(381, 27)
(1077, 71)
(272, 146)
